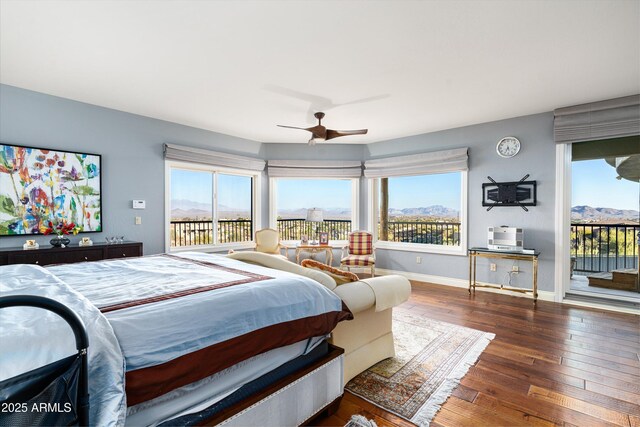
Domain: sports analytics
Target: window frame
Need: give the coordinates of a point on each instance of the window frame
(374, 206)
(355, 204)
(215, 170)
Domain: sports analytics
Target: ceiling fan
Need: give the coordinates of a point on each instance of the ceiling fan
(320, 133)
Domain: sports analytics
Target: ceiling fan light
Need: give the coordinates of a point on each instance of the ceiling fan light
(316, 139)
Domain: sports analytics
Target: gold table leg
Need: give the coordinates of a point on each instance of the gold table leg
(470, 257)
(535, 279)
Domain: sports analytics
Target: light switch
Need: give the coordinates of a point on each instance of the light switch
(138, 220)
(139, 204)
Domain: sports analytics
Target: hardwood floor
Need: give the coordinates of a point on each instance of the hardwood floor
(552, 365)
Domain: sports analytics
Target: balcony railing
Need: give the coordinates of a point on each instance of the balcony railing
(604, 247)
(294, 229)
(433, 233)
(193, 233)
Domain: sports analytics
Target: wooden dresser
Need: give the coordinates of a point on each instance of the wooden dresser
(73, 253)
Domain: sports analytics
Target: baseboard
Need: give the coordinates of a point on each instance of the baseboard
(461, 283)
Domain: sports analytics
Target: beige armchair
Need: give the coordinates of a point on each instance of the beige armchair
(359, 252)
(268, 242)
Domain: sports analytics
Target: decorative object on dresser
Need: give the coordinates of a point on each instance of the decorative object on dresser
(40, 186)
(71, 254)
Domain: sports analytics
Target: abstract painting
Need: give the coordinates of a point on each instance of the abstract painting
(38, 186)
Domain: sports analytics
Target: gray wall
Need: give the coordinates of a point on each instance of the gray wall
(536, 157)
(133, 168)
(131, 148)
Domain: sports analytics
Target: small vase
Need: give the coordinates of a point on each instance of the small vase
(59, 242)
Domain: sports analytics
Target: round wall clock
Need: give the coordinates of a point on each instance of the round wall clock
(508, 146)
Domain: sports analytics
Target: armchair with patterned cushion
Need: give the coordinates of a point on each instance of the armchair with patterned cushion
(359, 252)
(268, 242)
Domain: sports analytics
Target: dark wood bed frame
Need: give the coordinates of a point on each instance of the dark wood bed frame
(328, 410)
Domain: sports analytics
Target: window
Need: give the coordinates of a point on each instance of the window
(422, 212)
(205, 199)
(292, 197)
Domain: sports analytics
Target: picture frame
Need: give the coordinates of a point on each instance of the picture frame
(63, 187)
(323, 238)
(304, 239)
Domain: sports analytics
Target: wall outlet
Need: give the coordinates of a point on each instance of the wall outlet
(418, 260)
(138, 220)
(515, 269)
(492, 267)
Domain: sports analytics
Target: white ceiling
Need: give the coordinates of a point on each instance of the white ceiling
(397, 67)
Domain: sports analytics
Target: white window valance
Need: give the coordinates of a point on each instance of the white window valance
(207, 157)
(314, 169)
(614, 118)
(418, 164)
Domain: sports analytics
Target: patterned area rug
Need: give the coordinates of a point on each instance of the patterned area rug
(431, 359)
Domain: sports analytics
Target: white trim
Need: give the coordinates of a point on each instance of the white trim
(461, 283)
(355, 204)
(256, 205)
(373, 203)
(562, 221)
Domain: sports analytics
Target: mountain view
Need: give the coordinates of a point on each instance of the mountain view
(185, 209)
(604, 215)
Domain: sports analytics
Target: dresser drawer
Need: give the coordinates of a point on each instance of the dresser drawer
(80, 256)
(123, 251)
(31, 257)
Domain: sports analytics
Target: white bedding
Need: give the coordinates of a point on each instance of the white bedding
(154, 333)
(33, 337)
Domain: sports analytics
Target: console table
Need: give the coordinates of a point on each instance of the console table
(70, 254)
(532, 256)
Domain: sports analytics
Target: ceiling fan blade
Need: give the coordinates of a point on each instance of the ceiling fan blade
(338, 133)
(291, 127)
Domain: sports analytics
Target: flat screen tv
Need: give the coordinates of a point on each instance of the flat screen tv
(40, 188)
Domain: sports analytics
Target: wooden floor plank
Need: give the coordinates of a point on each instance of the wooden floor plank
(604, 414)
(551, 364)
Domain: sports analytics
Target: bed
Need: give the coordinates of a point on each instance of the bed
(172, 337)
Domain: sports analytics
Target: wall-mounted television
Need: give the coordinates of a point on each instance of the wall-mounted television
(42, 187)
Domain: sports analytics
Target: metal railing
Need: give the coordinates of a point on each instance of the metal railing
(604, 247)
(433, 233)
(200, 232)
(193, 233)
(294, 229)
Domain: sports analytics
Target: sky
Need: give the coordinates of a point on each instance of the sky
(233, 191)
(310, 193)
(594, 184)
(425, 190)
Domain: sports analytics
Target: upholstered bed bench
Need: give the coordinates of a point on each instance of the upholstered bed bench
(368, 338)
